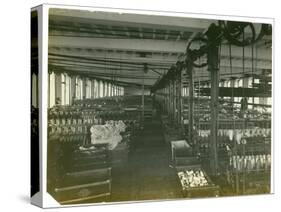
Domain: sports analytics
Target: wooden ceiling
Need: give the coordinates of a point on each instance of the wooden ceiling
(117, 46)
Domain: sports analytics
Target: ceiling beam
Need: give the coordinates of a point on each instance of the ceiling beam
(109, 65)
(140, 45)
(100, 74)
(130, 20)
(121, 56)
(226, 73)
(132, 60)
(146, 45)
(78, 66)
(105, 67)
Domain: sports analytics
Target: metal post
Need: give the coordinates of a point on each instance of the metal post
(174, 99)
(169, 99)
(213, 68)
(142, 99)
(190, 108)
(179, 98)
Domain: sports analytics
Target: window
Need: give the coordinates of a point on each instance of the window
(114, 90)
(95, 89)
(81, 83)
(240, 83)
(77, 92)
(79, 88)
(65, 89)
(92, 89)
(109, 89)
(88, 88)
(185, 91)
(105, 88)
(52, 89)
(63, 93)
(101, 89)
(250, 84)
(118, 91)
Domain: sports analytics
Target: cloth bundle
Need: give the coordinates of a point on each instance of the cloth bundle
(108, 133)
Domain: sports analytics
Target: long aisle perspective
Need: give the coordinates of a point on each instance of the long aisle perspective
(150, 175)
(152, 107)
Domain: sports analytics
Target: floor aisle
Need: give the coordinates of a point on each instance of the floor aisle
(149, 176)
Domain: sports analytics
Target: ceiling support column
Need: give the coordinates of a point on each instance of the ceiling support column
(213, 68)
(189, 71)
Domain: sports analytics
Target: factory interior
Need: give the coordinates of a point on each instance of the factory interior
(154, 107)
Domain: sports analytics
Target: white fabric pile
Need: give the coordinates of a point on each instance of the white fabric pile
(108, 133)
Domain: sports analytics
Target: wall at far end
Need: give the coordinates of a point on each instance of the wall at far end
(135, 91)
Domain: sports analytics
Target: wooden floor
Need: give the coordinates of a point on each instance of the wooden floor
(148, 175)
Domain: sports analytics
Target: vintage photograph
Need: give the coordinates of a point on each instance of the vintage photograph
(156, 107)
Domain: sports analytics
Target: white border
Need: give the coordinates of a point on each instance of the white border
(162, 13)
(48, 201)
(15, 104)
